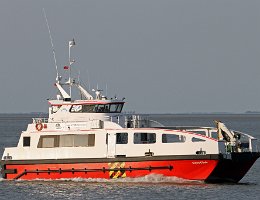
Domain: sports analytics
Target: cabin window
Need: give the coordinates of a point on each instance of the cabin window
(51, 141)
(91, 140)
(172, 138)
(48, 141)
(144, 138)
(214, 134)
(194, 139)
(26, 141)
(81, 140)
(85, 140)
(66, 141)
(122, 138)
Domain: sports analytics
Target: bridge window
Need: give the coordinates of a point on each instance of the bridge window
(98, 108)
(199, 132)
(54, 109)
(116, 108)
(172, 138)
(144, 138)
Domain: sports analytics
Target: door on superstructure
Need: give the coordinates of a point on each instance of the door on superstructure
(111, 145)
(117, 144)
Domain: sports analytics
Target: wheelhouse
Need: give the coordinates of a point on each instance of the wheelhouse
(97, 108)
(88, 107)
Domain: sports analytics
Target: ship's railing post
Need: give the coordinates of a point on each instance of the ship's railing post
(126, 121)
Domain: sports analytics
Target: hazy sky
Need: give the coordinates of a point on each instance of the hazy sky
(164, 56)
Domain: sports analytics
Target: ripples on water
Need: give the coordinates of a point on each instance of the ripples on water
(148, 187)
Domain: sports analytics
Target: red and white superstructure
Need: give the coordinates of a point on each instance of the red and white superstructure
(91, 138)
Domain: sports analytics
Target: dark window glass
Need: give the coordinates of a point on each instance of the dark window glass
(122, 138)
(172, 138)
(144, 138)
(91, 140)
(26, 141)
(119, 108)
(88, 108)
(113, 108)
(214, 134)
(98, 108)
(197, 140)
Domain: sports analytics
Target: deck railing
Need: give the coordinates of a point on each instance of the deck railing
(133, 121)
(40, 120)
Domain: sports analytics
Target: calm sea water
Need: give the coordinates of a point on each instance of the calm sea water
(150, 187)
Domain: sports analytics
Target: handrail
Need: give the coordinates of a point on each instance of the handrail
(39, 120)
(130, 169)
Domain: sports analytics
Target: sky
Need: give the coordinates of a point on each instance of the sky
(167, 56)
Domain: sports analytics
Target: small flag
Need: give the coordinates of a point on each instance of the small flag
(66, 67)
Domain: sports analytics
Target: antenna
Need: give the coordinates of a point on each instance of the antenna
(79, 77)
(53, 51)
(88, 81)
(106, 89)
(80, 93)
(71, 44)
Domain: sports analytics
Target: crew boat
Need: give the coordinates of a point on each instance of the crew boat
(92, 138)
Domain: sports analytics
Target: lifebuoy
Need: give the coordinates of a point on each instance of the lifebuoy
(39, 126)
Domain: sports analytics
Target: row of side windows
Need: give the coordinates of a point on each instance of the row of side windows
(150, 138)
(51, 141)
(88, 140)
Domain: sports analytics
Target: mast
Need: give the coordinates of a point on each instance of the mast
(71, 44)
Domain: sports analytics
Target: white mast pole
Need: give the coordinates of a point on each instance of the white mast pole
(70, 68)
(71, 44)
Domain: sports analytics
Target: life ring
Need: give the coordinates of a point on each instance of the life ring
(39, 126)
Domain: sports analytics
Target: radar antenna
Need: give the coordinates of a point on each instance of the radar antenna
(53, 51)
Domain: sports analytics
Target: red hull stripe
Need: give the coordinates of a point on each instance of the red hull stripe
(186, 169)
